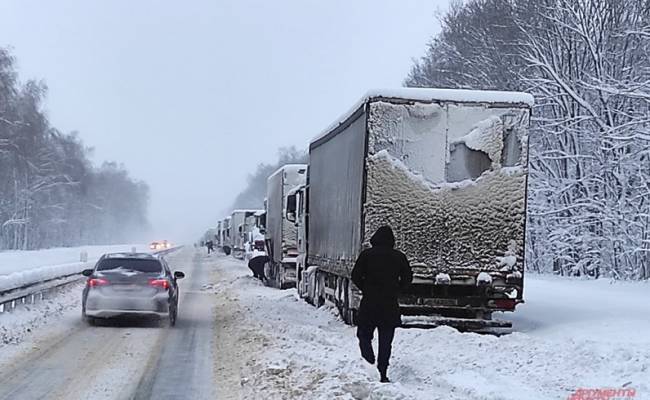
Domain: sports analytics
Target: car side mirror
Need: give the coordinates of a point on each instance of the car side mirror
(87, 272)
(179, 275)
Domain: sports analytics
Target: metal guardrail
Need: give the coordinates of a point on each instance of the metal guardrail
(38, 291)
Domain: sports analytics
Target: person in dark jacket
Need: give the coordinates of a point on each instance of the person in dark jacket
(256, 265)
(380, 272)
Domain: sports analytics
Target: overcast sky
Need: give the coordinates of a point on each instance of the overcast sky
(191, 95)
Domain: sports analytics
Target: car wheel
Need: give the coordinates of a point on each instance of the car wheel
(87, 319)
(172, 316)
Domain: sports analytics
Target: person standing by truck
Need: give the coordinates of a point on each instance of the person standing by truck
(380, 272)
(256, 265)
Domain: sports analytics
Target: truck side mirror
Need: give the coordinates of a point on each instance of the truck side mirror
(290, 213)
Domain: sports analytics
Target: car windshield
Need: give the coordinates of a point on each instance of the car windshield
(145, 266)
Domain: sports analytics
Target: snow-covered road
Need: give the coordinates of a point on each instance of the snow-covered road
(237, 339)
(67, 359)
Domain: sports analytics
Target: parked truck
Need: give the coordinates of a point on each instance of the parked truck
(223, 236)
(238, 231)
(255, 227)
(447, 170)
(280, 234)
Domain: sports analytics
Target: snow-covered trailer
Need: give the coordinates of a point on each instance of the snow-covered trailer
(447, 170)
(280, 232)
(238, 231)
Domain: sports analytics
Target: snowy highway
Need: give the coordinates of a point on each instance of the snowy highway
(237, 339)
(129, 360)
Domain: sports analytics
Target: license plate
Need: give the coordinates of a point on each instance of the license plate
(126, 288)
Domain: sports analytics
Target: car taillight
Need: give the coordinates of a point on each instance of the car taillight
(160, 283)
(94, 282)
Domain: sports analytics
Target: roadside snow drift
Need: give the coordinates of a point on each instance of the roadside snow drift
(19, 268)
(571, 334)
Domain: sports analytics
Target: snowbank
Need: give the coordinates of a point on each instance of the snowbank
(28, 318)
(19, 268)
(570, 334)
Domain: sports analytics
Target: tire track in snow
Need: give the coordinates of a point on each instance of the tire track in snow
(184, 367)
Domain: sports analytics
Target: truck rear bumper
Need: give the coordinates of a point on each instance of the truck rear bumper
(451, 306)
(463, 324)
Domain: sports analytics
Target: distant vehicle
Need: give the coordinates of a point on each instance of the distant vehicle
(161, 245)
(280, 237)
(254, 234)
(239, 224)
(130, 284)
(224, 241)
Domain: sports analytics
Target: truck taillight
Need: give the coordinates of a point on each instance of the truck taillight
(505, 304)
(160, 283)
(94, 282)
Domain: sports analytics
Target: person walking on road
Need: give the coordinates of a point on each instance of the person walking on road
(210, 245)
(380, 272)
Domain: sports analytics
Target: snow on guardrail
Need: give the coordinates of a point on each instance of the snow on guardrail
(37, 275)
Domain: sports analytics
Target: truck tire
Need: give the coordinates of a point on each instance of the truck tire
(319, 291)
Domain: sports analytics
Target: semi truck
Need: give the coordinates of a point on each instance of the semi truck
(280, 236)
(223, 236)
(238, 230)
(447, 170)
(254, 229)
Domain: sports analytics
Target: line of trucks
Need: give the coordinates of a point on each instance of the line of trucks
(446, 169)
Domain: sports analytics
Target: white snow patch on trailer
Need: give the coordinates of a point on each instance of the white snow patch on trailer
(486, 136)
(430, 95)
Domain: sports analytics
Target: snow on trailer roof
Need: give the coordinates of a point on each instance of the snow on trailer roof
(260, 212)
(289, 167)
(432, 95)
(244, 211)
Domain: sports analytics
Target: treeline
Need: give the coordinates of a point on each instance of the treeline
(50, 193)
(252, 197)
(588, 64)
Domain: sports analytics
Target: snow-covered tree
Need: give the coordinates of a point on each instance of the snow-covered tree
(50, 194)
(588, 64)
(253, 195)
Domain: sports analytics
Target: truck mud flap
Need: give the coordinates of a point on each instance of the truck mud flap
(462, 324)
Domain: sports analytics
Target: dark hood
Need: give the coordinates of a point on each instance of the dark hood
(383, 237)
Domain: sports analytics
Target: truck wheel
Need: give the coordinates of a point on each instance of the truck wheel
(349, 313)
(277, 281)
(320, 290)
